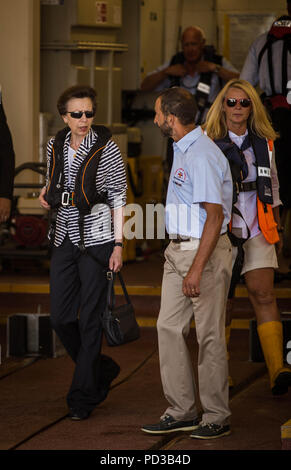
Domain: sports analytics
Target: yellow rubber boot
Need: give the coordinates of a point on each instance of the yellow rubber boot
(271, 339)
(227, 338)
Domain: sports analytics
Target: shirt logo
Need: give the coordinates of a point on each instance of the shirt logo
(179, 176)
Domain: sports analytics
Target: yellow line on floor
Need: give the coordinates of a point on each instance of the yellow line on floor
(237, 324)
(29, 288)
(35, 288)
(21, 288)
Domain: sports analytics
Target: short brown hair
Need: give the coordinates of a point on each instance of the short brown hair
(179, 102)
(76, 91)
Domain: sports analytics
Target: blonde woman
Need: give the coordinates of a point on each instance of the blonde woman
(239, 125)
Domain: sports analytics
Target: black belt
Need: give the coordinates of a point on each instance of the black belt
(251, 186)
(180, 239)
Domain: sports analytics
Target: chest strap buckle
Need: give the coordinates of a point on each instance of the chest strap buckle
(65, 198)
(68, 199)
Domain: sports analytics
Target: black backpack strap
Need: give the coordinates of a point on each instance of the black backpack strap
(56, 170)
(286, 49)
(176, 59)
(284, 67)
(270, 66)
(236, 270)
(239, 260)
(86, 194)
(263, 50)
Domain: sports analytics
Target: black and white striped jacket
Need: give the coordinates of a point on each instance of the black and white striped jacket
(110, 178)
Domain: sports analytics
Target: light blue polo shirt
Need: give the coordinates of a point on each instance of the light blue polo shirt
(200, 173)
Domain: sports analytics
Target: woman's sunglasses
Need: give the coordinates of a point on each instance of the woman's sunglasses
(231, 102)
(79, 114)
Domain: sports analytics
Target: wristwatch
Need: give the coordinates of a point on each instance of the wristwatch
(118, 244)
(217, 68)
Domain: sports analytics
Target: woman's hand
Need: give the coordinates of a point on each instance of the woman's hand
(42, 200)
(115, 261)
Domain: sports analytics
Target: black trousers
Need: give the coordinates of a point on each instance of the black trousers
(281, 119)
(78, 287)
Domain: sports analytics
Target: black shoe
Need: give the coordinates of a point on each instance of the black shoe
(79, 414)
(282, 382)
(168, 424)
(210, 431)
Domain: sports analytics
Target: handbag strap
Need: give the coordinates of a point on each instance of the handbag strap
(111, 277)
(110, 290)
(123, 287)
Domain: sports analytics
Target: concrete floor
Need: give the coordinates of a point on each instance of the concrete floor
(33, 390)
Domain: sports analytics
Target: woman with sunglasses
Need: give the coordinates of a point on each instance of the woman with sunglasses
(239, 125)
(84, 164)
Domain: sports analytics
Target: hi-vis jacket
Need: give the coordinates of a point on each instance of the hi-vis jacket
(263, 185)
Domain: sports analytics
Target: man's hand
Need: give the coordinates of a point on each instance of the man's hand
(177, 70)
(115, 261)
(205, 66)
(191, 285)
(42, 200)
(5, 208)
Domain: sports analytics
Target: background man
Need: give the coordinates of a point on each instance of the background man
(197, 68)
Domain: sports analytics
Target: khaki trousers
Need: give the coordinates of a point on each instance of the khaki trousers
(175, 317)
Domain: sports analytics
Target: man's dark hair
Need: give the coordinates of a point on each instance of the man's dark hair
(179, 102)
(76, 91)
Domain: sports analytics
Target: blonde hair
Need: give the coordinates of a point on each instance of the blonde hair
(258, 120)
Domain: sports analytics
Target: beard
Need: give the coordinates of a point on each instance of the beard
(166, 130)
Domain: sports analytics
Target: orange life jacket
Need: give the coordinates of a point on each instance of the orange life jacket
(266, 219)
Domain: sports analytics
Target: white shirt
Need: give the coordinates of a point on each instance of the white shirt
(260, 75)
(200, 173)
(247, 200)
(71, 156)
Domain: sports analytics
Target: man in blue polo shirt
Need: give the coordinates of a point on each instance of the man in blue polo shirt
(197, 274)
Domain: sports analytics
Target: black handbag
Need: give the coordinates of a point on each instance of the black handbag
(119, 323)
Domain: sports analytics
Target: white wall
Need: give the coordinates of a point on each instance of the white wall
(20, 44)
(19, 75)
(210, 16)
(183, 13)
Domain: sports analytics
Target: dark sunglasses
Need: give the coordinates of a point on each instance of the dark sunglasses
(79, 114)
(231, 102)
